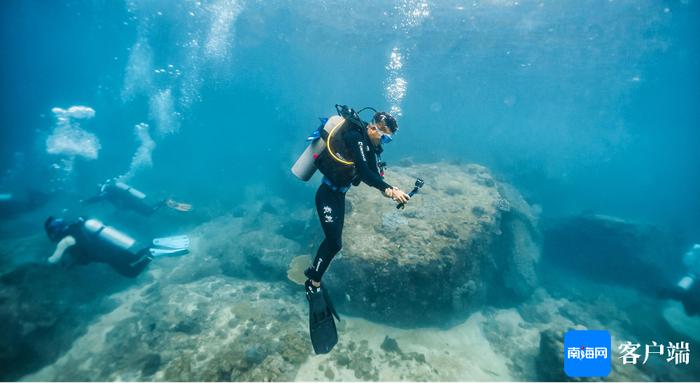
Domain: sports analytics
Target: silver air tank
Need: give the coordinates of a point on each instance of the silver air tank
(305, 167)
(109, 234)
(136, 193)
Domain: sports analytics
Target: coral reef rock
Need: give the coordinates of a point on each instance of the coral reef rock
(43, 309)
(213, 329)
(465, 239)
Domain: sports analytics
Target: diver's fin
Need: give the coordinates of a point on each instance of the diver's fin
(329, 302)
(322, 330)
(156, 252)
(179, 206)
(175, 242)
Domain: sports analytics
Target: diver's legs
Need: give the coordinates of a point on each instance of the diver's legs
(132, 269)
(330, 206)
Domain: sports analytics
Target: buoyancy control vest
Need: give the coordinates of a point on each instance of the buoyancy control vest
(336, 162)
(328, 151)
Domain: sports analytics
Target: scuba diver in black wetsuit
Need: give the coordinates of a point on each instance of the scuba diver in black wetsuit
(362, 146)
(124, 196)
(351, 157)
(687, 289)
(89, 240)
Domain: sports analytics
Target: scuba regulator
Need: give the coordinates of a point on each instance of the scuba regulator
(351, 115)
(419, 184)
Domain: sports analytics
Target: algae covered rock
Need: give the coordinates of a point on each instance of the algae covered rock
(212, 329)
(550, 360)
(254, 245)
(43, 309)
(463, 240)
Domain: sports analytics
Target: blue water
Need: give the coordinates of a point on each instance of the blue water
(583, 106)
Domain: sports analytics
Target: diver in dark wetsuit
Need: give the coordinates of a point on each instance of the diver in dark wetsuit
(124, 196)
(354, 158)
(89, 240)
(363, 146)
(687, 289)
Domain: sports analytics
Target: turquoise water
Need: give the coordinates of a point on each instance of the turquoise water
(584, 107)
(587, 106)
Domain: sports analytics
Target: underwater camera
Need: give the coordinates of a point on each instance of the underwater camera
(419, 184)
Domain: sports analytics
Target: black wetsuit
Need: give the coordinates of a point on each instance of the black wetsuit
(689, 298)
(330, 199)
(90, 248)
(123, 199)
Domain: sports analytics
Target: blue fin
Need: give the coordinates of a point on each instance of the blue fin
(176, 242)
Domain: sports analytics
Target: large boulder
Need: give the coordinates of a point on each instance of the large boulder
(44, 309)
(617, 251)
(464, 240)
(257, 241)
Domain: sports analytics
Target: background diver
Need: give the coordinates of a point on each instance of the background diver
(687, 289)
(124, 196)
(351, 155)
(85, 241)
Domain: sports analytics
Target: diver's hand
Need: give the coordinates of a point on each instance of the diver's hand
(400, 196)
(397, 195)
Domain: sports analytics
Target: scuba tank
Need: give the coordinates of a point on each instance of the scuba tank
(305, 166)
(691, 260)
(135, 193)
(327, 149)
(108, 234)
(124, 196)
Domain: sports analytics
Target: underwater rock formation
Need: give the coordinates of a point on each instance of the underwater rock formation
(213, 329)
(612, 250)
(44, 309)
(257, 242)
(551, 354)
(464, 240)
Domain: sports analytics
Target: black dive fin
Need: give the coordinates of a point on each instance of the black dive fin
(329, 302)
(324, 335)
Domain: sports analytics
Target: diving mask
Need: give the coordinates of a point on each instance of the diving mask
(386, 138)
